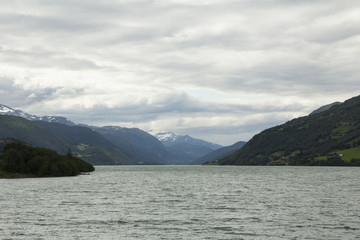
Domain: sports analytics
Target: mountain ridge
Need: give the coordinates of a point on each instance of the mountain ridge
(325, 108)
(6, 110)
(184, 145)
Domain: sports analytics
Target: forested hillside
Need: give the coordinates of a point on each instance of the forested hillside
(330, 137)
(84, 142)
(32, 133)
(88, 144)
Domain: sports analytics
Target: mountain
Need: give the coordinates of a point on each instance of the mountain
(215, 155)
(88, 144)
(186, 146)
(5, 110)
(139, 145)
(131, 144)
(84, 142)
(30, 132)
(170, 138)
(57, 119)
(105, 145)
(97, 145)
(329, 137)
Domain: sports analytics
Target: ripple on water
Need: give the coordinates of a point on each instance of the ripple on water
(185, 202)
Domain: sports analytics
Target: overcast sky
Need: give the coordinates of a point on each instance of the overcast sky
(220, 70)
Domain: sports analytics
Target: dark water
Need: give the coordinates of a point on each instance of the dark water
(185, 202)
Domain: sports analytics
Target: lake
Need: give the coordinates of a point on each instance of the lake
(185, 202)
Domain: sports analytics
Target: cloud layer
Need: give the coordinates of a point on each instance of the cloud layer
(218, 70)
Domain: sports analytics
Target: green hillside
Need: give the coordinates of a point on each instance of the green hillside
(84, 142)
(88, 144)
(31, 133)
(329, 137)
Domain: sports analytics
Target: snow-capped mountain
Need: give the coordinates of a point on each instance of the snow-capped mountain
(166, 136)
(57, 119)
(170, 138)
(184, 145)
(6, 110)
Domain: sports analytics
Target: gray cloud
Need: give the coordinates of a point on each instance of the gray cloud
(138, 62)
(38, 57)
(15, 96)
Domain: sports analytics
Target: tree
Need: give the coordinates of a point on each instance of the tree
(69, 154)
(14, 161)
(24, 159)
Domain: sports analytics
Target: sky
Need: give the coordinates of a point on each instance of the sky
(219, 70)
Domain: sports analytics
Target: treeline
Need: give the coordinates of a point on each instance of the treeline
(329, 161)
(24, 160)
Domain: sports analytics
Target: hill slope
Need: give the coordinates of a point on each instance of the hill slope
(84, 143)
(219, 153)
(31, 133)
(139, 144)
(318, 139)
(88, 144)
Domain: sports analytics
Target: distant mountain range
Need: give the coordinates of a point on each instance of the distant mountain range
(141, 145)
(328, 136)
(184, 145)
(170, 138)
(100, 145)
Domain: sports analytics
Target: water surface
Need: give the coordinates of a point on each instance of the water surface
(185, 202)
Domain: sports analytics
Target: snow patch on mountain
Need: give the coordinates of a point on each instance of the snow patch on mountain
(5, 110)
(166, 136)
(169, 138)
